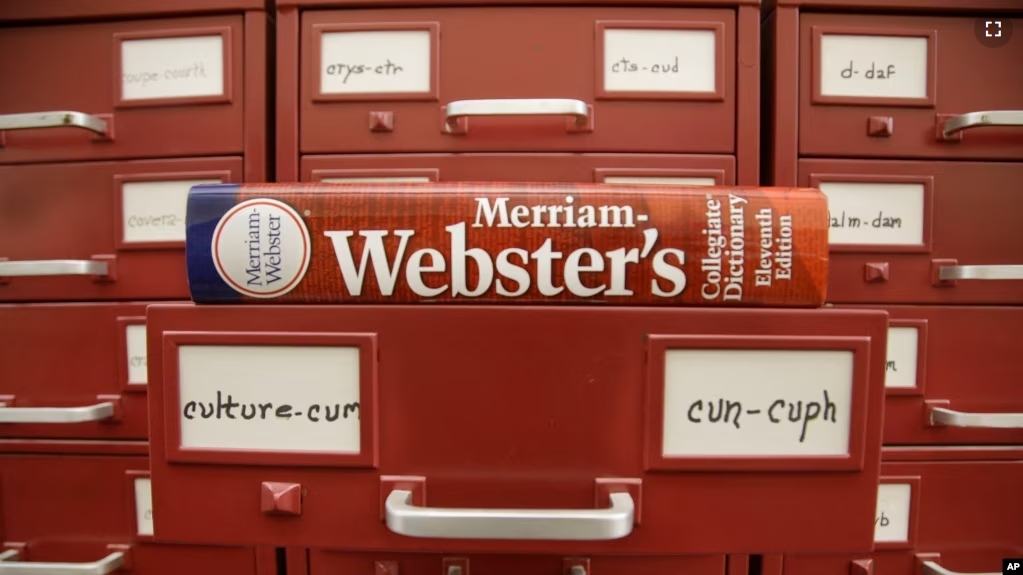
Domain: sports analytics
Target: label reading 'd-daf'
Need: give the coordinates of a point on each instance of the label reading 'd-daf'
(691, 247)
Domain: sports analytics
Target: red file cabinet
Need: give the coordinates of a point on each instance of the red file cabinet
(914, 129)
(952, 375)
(674, 80)
(940, 511)
(626, 431)
(90, 505)
(107, 117)
(73, 371)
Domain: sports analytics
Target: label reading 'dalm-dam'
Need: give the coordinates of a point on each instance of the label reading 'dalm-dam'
(261, 248)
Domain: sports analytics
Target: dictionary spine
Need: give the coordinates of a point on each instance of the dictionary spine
(507, 244)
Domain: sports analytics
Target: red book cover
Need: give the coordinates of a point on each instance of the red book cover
(507, 243)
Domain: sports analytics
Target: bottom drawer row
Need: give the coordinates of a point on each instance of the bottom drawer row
(939, 510)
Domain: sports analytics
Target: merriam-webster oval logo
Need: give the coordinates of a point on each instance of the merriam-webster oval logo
(261, 248)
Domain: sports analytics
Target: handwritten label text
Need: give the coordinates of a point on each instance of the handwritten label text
(900, 367)
(143, 506)
(875, 213)
(873, 66)
(891, 522)
(744, 402)
(659, 60)
(155, 211)
(138, 368)
(270, 398)
(186, 67)
(376, 62)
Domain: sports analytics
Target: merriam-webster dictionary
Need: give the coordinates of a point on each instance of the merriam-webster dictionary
(507, 243)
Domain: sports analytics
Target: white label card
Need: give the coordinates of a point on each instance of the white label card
(873, 66)
(660, 60)
(379, 180)
(144, 506)
(270, 398)
(900, 368)
(155, 211)
(757, 403)
(138, 369)
(187, 67)
(875, 213)
(891, 522)
(376, 62)
(659, 181)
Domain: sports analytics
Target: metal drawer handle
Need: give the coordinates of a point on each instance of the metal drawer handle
(978, 119)
(932, 568)
(37, 120)
(614, 522)
(942, 417)
(946, 273)
(108, 564)
(54, 268)
(97, 412)
(523, 107)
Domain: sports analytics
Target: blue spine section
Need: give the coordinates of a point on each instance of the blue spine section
(206, 205)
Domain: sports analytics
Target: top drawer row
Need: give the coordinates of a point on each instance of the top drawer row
(498, 79)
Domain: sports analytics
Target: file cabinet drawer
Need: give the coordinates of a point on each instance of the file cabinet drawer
(84, 365)
(920, 86)
(99, 230)
(906, 232)
(126, 89)
(638, 169)
(423, 425)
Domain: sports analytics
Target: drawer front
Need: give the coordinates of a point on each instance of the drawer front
(962, 362)
(67, 356)
(960, 514)
(392, 408)
(639, 169)
(877, 86)
(571, 79)
(99, 231)
(71, 509)
(122, 90)
(325, 562)
(905, 232)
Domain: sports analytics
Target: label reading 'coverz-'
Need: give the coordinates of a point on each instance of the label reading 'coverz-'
(515, 243)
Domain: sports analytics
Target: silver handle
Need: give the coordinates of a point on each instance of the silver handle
(54, 268)
(977, 119)
(38, 120)
(942, 417)
(614, 522)
(947, 273)
(97, 412)
(521, 107)
(108, 564)
(932, 568)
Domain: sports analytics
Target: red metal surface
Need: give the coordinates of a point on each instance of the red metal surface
(72, 509)
(881, 6)
(67, 355)
(967, 77)
(13, 10)
(968, 518)
(515, 447)
(85, 203)
(687, 245)
(81, 64)
(959, 229)
(969, 363)
(323, 562)
(556, 60)
(518, 167)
